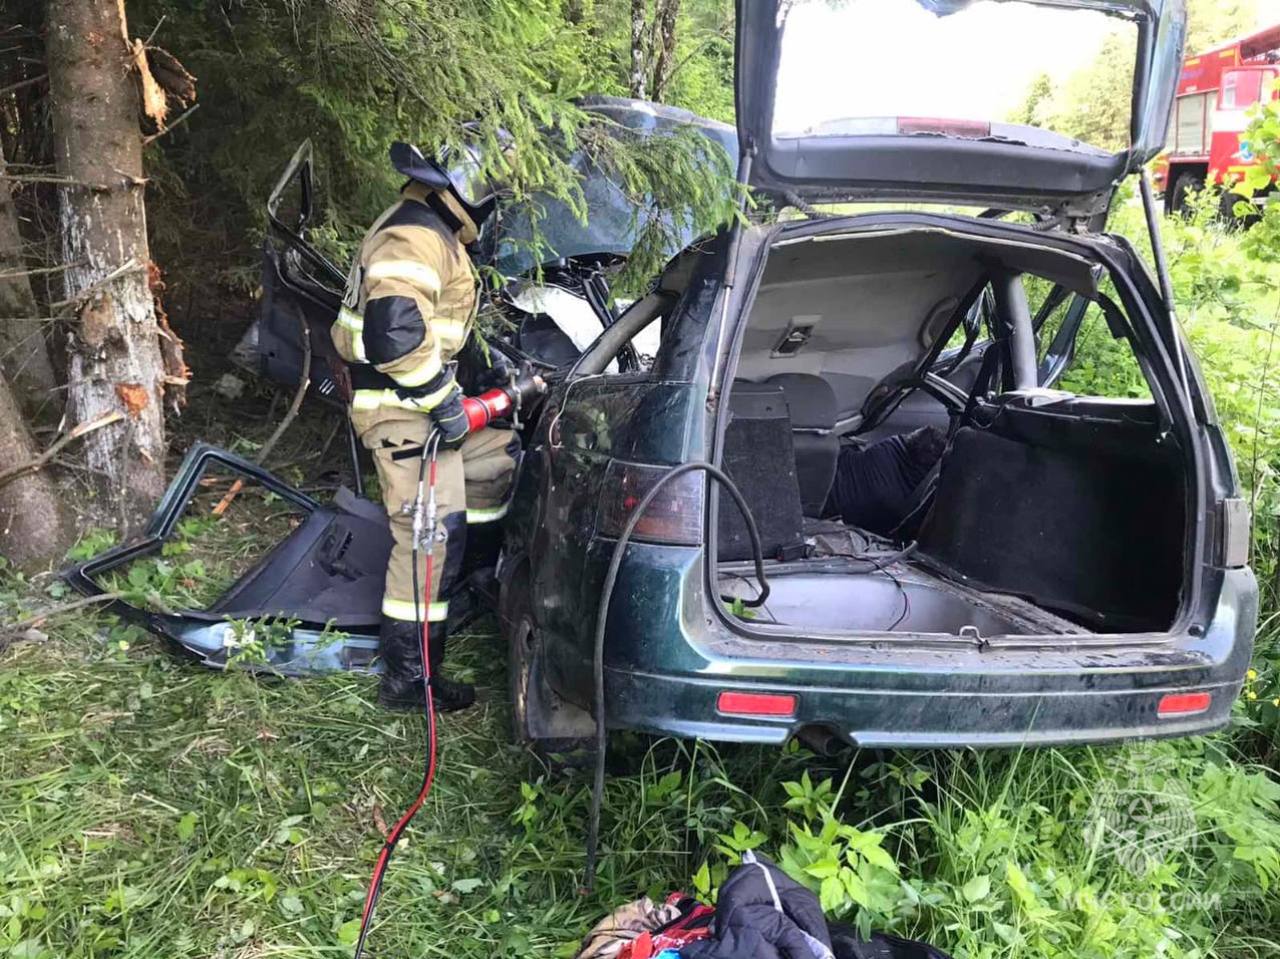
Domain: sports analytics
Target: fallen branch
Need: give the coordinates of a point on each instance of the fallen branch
(38, 271)
(129, 266)
(29, 82)
(32, 621)
(161, 132)
(43, 178)
(14, 472)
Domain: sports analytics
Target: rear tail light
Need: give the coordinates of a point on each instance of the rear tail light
(757, 704)
(1183, 704)
(674, 516)
(972, 129)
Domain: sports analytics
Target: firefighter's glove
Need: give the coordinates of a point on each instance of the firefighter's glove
(450, 419)
(489, 366)
(493, 377)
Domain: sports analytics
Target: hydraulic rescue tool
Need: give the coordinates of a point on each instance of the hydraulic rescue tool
(500, 402)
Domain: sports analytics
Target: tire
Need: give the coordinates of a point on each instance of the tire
(540, 719)
(516, 619)
(1184, 184)
(1226, 212)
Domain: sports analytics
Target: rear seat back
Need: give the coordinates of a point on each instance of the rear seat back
(759, 459)
(813, 407)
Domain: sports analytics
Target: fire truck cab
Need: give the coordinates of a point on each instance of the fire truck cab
(1215, 90)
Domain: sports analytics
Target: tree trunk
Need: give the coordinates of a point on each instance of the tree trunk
(114, 360)
(639, 60)
(664, 60)
(32, 527)
(24, 358)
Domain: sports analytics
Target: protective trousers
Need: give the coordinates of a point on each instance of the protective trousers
(473, 486)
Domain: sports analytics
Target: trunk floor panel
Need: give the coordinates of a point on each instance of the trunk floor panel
(899, 598)
(833, 591)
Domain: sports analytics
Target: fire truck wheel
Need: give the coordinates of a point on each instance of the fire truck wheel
(1227, 213)
(1185, 184)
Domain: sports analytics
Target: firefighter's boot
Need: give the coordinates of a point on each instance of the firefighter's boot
(401, 686)
(400, 650)
(447, 694)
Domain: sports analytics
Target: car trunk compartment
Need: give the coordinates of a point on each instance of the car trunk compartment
(1046, 514)
(829, 595)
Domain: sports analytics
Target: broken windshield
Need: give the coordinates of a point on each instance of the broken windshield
(544, 228)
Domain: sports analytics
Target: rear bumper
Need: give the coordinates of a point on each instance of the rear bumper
(668, 663)
(686, 706)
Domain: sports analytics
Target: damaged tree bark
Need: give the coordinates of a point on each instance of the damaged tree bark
(114, 360)
(32, 525)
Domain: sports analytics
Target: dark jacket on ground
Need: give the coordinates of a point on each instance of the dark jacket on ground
(764, 914)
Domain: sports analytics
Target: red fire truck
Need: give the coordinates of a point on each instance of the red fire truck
(1214, 93)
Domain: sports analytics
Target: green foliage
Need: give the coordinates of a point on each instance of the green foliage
(1032, 111)
(1210, 22)
(1227, 287)
(91, 543)
(1143, 851)
(1093, 105)
(250, 642)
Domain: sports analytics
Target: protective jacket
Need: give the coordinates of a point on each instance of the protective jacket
(409, 306)
(407, 315)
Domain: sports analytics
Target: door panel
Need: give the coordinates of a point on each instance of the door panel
(593, 422)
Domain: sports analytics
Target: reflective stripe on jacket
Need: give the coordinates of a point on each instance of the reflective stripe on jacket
(408, 308)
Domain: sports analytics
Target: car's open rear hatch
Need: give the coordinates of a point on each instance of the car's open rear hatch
(310, 604)
(909, 99)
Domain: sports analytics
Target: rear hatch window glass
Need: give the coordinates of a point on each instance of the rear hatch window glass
(990, 70)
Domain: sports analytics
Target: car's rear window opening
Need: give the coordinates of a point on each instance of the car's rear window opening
(905, 480)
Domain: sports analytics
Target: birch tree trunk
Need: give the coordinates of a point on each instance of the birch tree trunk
(639, 58)
(32, 526)
(24, 357)
(114, 360)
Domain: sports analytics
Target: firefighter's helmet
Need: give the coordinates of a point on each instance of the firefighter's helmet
(460, 171)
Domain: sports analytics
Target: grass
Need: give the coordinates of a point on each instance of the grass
(149, 807)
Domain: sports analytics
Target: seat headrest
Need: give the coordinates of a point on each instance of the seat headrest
(811, 399)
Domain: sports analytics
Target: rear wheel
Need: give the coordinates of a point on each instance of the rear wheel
(518, 630)
(1184, 185)
(1227, 212)
(539, 718)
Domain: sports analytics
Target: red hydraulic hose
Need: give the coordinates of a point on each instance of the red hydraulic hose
(480, 411)
(393, 837)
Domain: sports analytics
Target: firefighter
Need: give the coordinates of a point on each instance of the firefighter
(406, 331)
